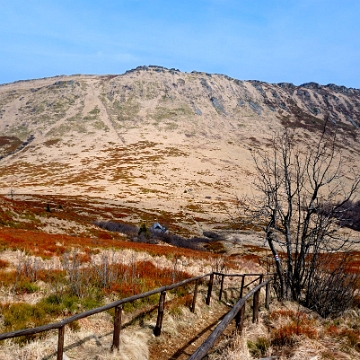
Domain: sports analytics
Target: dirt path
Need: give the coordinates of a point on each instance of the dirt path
(190, 335)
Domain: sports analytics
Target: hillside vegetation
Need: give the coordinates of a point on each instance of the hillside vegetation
(55, 262)
(89, 163)
(159, 139)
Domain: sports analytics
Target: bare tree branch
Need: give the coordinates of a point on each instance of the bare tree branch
(303, 194)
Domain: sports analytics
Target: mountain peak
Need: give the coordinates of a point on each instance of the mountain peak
(156, 136)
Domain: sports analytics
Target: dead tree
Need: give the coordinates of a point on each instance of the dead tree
(302, 196)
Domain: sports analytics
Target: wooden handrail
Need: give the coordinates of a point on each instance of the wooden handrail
(235, 275)
(118, 309)
(85, 314)
(209, 342)
(260, 276)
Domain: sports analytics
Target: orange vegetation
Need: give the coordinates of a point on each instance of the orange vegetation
(352, 335)
(298, 323)
(47, 245)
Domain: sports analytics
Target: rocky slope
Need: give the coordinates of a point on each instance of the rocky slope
(158, 138)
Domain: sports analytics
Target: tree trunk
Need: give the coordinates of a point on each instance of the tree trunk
(278, 266)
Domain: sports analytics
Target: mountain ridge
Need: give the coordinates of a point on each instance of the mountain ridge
(157, 137)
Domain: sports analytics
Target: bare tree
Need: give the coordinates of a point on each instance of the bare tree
(332, 287)
(12, 193)
(302, 197)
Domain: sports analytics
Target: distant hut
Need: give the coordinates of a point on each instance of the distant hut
(158, 228)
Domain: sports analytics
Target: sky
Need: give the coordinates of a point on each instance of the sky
(275, 41)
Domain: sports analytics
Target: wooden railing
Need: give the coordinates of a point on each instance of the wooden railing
(118, 306)
(237, 312)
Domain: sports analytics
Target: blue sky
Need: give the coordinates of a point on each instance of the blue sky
(270, 40)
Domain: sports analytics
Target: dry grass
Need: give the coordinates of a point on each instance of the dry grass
(81, 345)
(290, 331)
(33, 259)
(38, 286)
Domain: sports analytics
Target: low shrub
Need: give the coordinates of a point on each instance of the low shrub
(259, 347)
(298, 323)
(26, 287)
(145, 235)
(352, 336)
(3, 264)
(18, 316)
(123, 228)
(175, 305)
(287, 334)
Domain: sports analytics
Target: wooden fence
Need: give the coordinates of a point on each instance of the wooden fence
(237, 311)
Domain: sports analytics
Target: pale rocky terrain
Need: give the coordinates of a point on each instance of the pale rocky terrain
(159, 139)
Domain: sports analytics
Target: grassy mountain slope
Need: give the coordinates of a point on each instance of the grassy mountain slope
(150, 145)
(157, 138)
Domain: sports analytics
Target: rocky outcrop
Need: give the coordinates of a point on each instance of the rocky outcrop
(14, 140)
(171, 98)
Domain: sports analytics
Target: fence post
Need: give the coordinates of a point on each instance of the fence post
(157, 330)
(222, 286)
(117, 327)
(267, 297)
(242, 286)
(240, 317)
(60, 349)
(210, 289)
(256, 307)
(195, 296)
